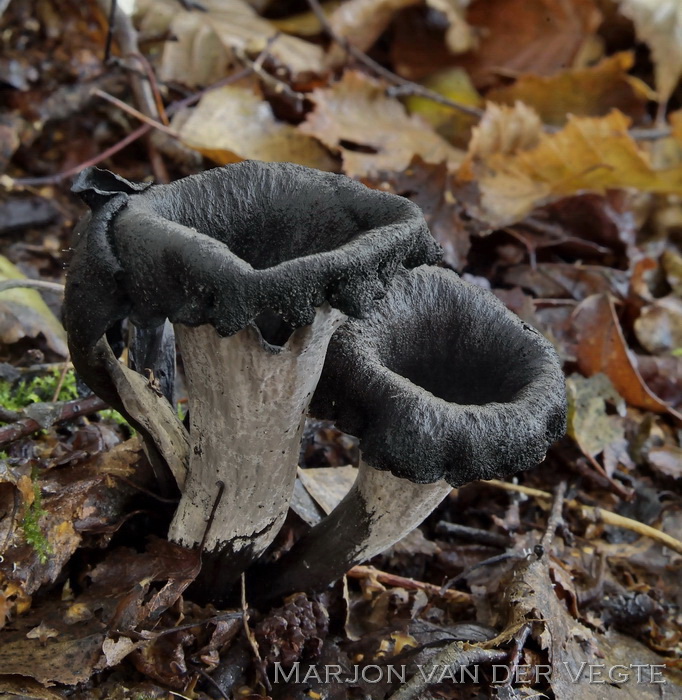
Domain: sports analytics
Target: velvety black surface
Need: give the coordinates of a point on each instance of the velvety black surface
(226, 245)
(441, 381)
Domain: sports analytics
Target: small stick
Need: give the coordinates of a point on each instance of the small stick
(135, 113)
(599, 514)
(360, 572)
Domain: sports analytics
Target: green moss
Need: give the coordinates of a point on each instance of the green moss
(31, 525)
(16, 396)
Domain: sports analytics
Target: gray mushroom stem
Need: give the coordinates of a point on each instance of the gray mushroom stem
(248, 401)
(442, 385)
(378, 510)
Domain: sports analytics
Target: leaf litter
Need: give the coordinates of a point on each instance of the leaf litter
(562, 197)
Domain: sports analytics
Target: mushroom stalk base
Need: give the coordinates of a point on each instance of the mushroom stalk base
(248, 402)
(378, 510)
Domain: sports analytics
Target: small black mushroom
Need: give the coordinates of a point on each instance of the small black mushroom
(255, 264)
(442, 385)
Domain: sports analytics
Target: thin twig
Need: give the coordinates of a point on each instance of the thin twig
(555, 518)
(599, 514)
(253, 642)
(62, 377)
(404, 86)
(41, 285)
(256, 66)
(135, 113)
(130, 138)
(362, 572)
(68, 411)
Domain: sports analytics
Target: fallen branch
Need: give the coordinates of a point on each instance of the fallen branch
(599, 514)
(66, 410)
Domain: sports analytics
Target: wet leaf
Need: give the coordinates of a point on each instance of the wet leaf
(254, 132)
(659, 24)
(585, 92)
(602, 348)
(24, 314)
(372, 132)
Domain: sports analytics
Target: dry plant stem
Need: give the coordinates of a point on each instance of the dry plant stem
(248, 402)
(453, 658)
(605, 516)
(388, 579)
(378, 510)
(40, 285)
(126, 38)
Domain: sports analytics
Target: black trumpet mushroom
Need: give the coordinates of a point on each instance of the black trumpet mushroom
(255, 265)
(442, 385)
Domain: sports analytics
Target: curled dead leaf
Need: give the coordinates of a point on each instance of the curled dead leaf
(602, 348)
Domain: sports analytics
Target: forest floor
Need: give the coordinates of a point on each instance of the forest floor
(543, 141)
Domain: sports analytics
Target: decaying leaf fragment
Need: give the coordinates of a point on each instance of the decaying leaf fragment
(373, 132)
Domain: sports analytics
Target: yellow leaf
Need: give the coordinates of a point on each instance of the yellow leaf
(588, 154)
(232, 124)
(587, 92)
(455, 84)
(373, 132)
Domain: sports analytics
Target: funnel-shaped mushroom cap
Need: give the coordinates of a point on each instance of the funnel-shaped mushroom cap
(441, 381)
(226, 245)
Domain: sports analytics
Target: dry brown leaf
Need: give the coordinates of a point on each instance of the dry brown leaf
(602, 348)
(233, 124)
(204, 42)
(588, 154)
(658, 23)
(363, 21)
(503, 131)
(588, 92)
(373, 132)
(527, 36)
(328, 485)
(659, 326)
